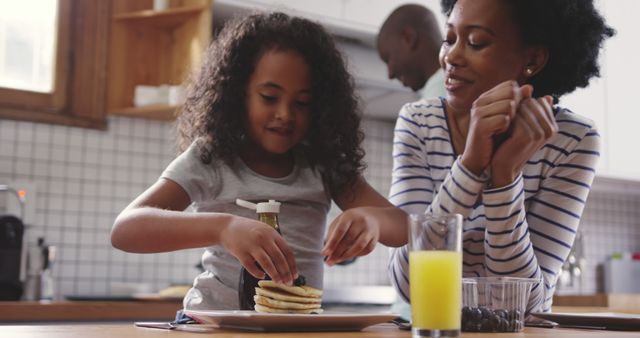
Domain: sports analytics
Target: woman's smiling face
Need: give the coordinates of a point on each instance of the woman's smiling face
(482, 48)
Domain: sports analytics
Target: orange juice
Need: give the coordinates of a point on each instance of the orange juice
(436, 289)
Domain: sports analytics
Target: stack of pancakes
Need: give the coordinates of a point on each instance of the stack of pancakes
(274, 297)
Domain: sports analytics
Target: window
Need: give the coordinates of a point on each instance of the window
(53, 56)
(27, 45)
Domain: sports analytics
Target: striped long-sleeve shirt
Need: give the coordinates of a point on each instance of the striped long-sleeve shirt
(524, 229)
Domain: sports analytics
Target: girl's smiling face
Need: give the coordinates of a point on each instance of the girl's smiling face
(482, 48)
(278, 102)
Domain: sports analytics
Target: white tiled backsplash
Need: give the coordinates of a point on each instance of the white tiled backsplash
(83, 178)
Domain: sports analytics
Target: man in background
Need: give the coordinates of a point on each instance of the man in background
(409, 43)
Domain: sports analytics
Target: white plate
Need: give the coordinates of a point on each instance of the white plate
(255, 321)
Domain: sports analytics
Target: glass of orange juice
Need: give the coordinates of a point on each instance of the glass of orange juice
(435, 274)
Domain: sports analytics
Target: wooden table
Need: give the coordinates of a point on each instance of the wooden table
(378, 331)
(16, 312)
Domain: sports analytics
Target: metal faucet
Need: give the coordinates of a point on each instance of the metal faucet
(20, 195)
(572, 272)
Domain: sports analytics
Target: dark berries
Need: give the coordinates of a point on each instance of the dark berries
(300, 281)
(484, 319)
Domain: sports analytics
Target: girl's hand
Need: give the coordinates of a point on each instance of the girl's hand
(534, 125)
(354, 233)
(491, 114)
(253, 242)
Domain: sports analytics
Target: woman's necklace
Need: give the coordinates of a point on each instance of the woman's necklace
(458, 138)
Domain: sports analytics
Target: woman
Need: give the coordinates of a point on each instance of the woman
(497, 150)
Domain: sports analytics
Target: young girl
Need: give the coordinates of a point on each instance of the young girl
(271, 115)
(497, 150)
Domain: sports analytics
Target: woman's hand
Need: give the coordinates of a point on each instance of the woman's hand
(252, 242)
(354, 233)
(491, 114)
(533, 126)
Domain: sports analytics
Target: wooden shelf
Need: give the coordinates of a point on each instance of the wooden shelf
(157, 112)
(151, 47)
(168, 18)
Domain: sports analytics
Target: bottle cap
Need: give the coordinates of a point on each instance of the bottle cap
(272, 206)
(246, 204)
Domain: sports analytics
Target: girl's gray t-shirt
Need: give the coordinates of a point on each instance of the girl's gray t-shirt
(214, 187)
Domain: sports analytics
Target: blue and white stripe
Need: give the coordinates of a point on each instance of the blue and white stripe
(524, 229)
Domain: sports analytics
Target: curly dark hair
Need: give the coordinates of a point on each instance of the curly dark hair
(215, 107)
(572, 30)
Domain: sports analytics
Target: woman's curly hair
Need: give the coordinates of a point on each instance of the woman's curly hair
(572, 30)
(215, 107)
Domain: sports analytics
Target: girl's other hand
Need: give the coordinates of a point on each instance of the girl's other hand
(253, 242)
(491, 114)
(534, 125)
(353, 233)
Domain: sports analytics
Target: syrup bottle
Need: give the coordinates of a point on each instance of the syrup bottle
(268, 214)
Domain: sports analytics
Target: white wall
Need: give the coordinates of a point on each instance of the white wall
(368, 13)
(611, 100)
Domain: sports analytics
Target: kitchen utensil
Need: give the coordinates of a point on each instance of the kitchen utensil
(597, 320)
(40, 284)
(177, 327)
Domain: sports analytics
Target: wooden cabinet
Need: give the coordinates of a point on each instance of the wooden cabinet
(154, 47)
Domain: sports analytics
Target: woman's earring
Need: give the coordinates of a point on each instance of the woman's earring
(528, 71)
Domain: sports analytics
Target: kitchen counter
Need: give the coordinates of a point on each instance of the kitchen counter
(138, 310)
(616, 301)
(25, 311)
(377, 331)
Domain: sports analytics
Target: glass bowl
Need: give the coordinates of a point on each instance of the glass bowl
(495, 304)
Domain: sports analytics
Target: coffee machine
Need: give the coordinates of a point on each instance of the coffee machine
(11, 251)
(11, 231)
